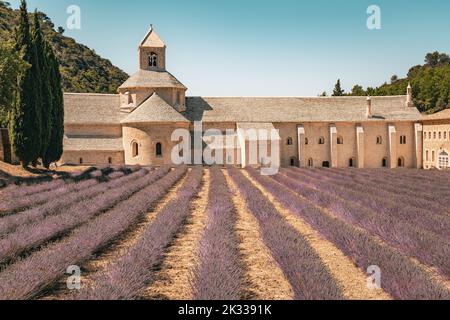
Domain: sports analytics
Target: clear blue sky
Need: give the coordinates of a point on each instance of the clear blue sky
(264, 48)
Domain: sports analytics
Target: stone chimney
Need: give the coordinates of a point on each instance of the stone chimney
(369, 108)
(409, 97)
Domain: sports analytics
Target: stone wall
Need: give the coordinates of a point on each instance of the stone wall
(93, 158)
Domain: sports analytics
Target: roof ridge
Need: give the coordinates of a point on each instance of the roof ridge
(90, 94)
(295, 97)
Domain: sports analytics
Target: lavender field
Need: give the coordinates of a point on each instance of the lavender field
(227, 234)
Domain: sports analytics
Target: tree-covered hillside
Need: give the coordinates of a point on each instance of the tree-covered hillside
(81, 68)
(430, 82)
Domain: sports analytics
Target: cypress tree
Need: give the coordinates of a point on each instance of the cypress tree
(45, 85)
(55, 146)
(337, 92)
(25, 118)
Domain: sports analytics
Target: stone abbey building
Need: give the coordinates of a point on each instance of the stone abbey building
(135, 126)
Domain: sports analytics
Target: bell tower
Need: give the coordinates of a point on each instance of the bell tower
(152, 52)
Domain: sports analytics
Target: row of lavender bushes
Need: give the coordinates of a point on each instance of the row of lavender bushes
(387, 192)
(54, 206)
(128, 277)
(401, 182)
(437, 192)
(19, 198)
(26, 278)
(26, 237)
(219, 273)
(402, 234)
(309, 277)
(402, 277)
(387, 205)
(13, 204)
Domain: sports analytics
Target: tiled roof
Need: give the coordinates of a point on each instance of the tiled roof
(154, 109)
(152, 39)
(92, 144)
(317, 109)
(442, 115)
(105, 109)
(85, 108)
(152, 79)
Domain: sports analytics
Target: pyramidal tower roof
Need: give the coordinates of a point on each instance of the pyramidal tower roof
(152, 39)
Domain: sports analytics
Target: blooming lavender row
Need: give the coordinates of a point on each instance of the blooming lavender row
(117, 179)
(399, 186)
(26, 278)
(403, 184)
(219, 274)
(20, 191)
(127, 277)
(31, 235)
(14, 204)
(308, 275)
(387, 192)
(403, 235)
(402, 277)
(388, 205)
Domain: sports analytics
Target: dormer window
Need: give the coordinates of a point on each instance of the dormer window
(153, 60)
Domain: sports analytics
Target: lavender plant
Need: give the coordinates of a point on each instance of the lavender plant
(26, 278)
(307, 274)
(403, 235)
(219, 274)
(403, 278)
(29, 236)
(127, 277)
(117, 179)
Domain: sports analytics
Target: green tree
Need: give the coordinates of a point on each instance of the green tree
(45, 103)
(358, 91)
(11, 65)
(25, 117)
(394, 79)
(55, 147)
(338, 91)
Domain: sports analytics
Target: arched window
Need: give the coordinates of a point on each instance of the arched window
(340, 140)
(81, 160)
(321, 140)
(306, 141)
(401, 162)
(135, 149)
(153, 60)
(434, 135)
(433, 157)
(424, 135)
(443, 160)
(290, 142)
(429, 135)
(110, 160)
(159, 152)
(379, 140)
(310, 162)
(427, 155)
(385, 162)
